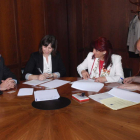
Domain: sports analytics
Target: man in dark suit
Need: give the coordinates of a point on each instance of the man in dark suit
(7, 78)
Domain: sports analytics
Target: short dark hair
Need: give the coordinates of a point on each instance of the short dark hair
(45, 41)
(102, 44)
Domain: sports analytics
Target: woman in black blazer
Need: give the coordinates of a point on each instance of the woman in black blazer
(45, 63)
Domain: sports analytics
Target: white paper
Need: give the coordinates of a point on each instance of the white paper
(25, 91)
(101, 96)
(87, 85)
(55, 83)
(117, 103)
(126, 95)
(11, 91)
(36, 82)
(43, 95)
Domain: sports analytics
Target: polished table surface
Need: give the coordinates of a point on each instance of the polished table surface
(78, 121)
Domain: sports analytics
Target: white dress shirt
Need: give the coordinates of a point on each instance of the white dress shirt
(47, 65)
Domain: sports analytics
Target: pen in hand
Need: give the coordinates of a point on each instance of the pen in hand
(39, 70)
(122, 79)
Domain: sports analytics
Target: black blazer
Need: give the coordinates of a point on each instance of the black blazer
(5, 72)
(36, 61)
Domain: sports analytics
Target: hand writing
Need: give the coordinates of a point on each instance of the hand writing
(128, 80)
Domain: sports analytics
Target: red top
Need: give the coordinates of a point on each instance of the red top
(100, 66)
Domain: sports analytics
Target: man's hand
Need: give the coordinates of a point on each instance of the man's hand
(7, 84)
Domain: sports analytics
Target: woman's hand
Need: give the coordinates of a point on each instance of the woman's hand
(43, 76)
(128, 80)
(85, 74)
(100, 79)
(46, 75)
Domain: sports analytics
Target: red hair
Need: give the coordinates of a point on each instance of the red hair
(102, 44)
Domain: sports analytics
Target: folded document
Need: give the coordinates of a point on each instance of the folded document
(25, 91)
(43, 95)
(126, 95)
(87, 85)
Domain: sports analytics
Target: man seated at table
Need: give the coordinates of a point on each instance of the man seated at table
(7, 78)
(129, 80)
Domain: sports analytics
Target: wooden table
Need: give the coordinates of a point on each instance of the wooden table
(78, 121)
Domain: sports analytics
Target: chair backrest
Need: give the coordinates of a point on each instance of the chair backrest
(22, 76)
(127, 72)
(22, 70)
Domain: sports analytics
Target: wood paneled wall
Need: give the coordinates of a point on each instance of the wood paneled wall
(8, 35)
(90, 19)
(75, 23)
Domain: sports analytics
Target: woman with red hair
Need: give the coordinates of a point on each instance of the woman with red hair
(102, 65)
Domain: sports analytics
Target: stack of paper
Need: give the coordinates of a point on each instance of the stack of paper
(126, 95)
(36, 82)
(87, 85)
(25, 91)
(43, 95)
(117, 98)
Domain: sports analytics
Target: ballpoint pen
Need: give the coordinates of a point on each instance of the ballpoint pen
(122, 79)
(39, 70)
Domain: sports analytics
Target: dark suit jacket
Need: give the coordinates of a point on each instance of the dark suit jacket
(5, 72)
(36, 61)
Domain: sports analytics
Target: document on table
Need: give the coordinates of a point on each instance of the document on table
(55, 83)
(126, 95)
(36, 82)
(101, 96)
(117, 103)
(87, 85)
(43, 95)
(25, 91)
